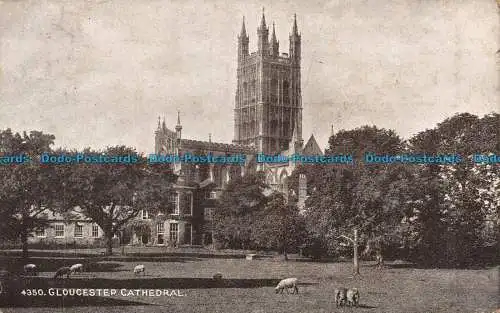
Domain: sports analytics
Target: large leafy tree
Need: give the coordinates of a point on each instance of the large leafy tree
(278, 226)
(28, 189)
(235, 216)
(111, 194)
(452, 202)
(368, 197)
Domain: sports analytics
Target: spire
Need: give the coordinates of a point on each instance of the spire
(163, 124)
(263, 20)
(159, 122)
(210, 137)
(275, 47)
(243, 29)
(294, 30)
(273, 38)
(332, 132)
(178, 127)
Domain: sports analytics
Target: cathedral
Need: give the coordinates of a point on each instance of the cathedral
(267, 119)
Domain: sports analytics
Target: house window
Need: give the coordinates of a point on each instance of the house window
(208, 213)
(186, 204)
(59, 230)
(160, 228)
(174, 232)
(188, 233)
(211, 195)
(176, 204)
(78, 231)
(40, 232)
(145, 215)
(95, 231)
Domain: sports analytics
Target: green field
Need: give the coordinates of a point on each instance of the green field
(248, 287)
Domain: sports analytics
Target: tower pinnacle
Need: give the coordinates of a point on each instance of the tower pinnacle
(178, 119)
(263, 20)
(274, 44)
(243, 29)
(294, 30)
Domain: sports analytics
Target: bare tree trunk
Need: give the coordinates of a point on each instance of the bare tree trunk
(24, 243)
(285, 254)
(380, 259)
(109, 243)
(356, 258)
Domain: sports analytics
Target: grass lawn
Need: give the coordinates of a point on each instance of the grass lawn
(248, 287)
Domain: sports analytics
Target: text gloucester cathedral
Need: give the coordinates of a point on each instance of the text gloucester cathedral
(267, 119)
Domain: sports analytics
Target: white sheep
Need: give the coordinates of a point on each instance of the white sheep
(65, 270)
(217, 276)
(140, 268)
(77, 267)
(30, 269)
(340, 296)
(287, 283)
(352, 297)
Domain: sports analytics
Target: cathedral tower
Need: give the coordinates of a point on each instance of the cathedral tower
(268, 101)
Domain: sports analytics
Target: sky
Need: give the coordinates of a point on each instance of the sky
(99, 73)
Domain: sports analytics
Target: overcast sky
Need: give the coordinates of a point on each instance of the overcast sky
(98, 73)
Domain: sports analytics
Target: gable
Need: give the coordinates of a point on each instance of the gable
(312, 147)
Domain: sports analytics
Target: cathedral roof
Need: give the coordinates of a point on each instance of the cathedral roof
(216, 146)
(312, 147)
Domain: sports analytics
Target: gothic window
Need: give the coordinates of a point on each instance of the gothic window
(274, 90)
(274, 127)
(254, 89)
(286, 92)
(245, 90)
(286, 127)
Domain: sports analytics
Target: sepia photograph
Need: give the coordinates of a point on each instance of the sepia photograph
(251, 156)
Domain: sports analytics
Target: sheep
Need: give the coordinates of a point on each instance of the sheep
(352, 297)
(30, 269)
(65, 270)
(140, 268)
(340, 296)
(76, 268)
(217, 276)
(287, 283)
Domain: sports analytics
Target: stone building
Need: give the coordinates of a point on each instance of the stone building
(69, 230)
(267, 119)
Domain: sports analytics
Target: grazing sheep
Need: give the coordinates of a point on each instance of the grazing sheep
(217, 276)
(287, 283)
(65, 270)
(30, 269)
(353, 297)
(77, 268)
(340, 297)
(140, 268)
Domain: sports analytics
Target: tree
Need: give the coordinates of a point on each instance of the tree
(28, 189)
(234, 218)
(278, 226)
(452, 202)
(367, 197)
(112, 195)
